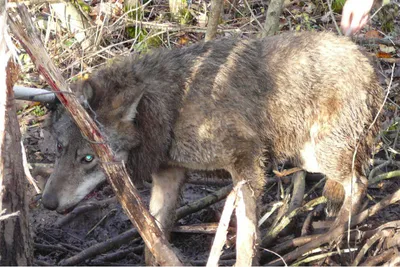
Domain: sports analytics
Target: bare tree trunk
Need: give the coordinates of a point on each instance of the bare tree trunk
(15, 240)
(213, 19)
(274, 11)
(3, 92)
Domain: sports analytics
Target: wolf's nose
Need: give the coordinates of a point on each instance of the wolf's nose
(50, 201)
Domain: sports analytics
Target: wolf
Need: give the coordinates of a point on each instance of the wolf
(230, 104)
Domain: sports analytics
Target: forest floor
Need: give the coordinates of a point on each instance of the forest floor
(58, 241)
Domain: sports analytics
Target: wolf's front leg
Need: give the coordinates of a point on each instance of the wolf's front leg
(165, 192)
(249, 169)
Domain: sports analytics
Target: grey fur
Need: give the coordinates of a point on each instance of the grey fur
(230, 104)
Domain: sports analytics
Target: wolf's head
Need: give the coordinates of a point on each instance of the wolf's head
(134, 109)
(77, 170)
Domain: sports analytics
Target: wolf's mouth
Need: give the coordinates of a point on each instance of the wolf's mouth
(94, 194)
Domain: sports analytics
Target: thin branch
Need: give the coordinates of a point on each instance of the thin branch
(203, 202)
(273, 233)
(9, 216)
(220, 236)
(204, 228)
(383, 257)
(379, 235)
(333, 17)
(319, 240)
(101, 248)
(388, 175)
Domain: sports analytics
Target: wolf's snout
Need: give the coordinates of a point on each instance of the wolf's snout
(50, 201)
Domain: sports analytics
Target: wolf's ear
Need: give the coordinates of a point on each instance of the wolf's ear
(130, 114)
(88, 91)
(85, 92)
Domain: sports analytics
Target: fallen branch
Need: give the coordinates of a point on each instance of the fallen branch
(319, 240)
(115, 171)
(41, 247)
(384, 176)
(300, 241)
(394, 260)
(393, 241)
(205, 228)
(42, 263)
(299, 184)
(379, 235)
(388, 42)
(118, 255)
(221, 262)
(82, 209)
(312, 258)
(273, 233)
(296, 242)
(71, 247)
(375, 169)
(101, 248)
(308, 221)
(383, 257)
(203, 202)
(264, 218)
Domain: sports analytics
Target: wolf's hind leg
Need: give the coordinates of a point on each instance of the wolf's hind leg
(355, 187)
(165, 193)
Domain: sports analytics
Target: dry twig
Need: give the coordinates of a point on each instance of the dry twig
(318, 240)
(204, 228)
(220, 236)
(388, 175)
(101, 248)
(203, 202)
(379, 235)
(273, 233)
(383, 257)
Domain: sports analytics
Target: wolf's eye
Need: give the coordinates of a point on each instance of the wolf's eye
(88, 158)
(59, 147)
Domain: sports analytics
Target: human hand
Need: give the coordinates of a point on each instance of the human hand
(355, 15)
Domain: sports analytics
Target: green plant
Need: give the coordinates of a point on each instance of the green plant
(39, 111)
